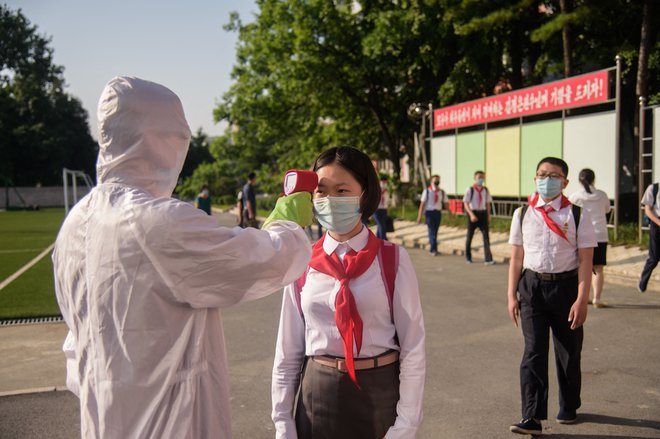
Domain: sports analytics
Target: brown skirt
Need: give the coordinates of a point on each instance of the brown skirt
(331, 406)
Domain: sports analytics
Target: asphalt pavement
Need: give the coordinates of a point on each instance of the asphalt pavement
(473, 353)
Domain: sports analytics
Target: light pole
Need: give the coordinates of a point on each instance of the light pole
(418, 113)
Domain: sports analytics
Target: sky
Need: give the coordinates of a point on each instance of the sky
(180, 44)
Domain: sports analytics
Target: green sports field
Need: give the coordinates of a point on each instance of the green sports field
(23, 236)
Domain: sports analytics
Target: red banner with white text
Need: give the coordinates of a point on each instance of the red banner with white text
(578, 91)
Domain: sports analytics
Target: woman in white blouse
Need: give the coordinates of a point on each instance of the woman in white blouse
(349, 351)
(597, 204)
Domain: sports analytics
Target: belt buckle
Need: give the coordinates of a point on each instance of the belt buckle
(341, 365)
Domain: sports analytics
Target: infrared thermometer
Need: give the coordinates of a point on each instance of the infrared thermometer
(296, 180)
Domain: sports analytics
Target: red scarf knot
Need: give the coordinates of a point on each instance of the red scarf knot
(544, 213)
(347, 316)
(435, 192)
(479, 190)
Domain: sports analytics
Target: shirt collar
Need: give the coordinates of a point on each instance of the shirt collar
(556, 203)
(357, 243)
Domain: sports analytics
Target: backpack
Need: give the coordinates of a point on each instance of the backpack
(577, 211)
(646, 220)
(388, 260)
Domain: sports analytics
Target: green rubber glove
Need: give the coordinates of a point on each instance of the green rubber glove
(295, 207)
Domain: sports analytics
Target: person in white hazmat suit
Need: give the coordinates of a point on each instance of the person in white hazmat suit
(140, 278)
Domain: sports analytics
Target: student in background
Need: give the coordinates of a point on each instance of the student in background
(203, 200)
(239, 209)
(549, 278)
(250, 202)
(431, 204)
(597, 204)
(652, 211)
(380, 215)
(476, 202)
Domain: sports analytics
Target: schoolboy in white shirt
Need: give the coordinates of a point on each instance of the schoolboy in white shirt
(550, 268)
(477, 201)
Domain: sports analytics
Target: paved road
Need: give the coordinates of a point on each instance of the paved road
(473, 354)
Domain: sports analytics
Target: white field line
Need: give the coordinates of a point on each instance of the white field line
(26, 267)
(20, 250)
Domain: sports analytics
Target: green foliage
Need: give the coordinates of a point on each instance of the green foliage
(42, 128)
(198, 153)
(310, 74)
(315, 74)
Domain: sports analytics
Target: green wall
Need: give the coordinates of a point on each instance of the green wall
(470, 157)
(537, 140)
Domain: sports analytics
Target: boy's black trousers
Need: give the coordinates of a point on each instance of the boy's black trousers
(545, 305)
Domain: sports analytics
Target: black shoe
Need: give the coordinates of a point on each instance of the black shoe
(640, 289)
(566, 416)
(527, 426)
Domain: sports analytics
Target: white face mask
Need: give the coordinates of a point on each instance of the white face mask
(338, 214)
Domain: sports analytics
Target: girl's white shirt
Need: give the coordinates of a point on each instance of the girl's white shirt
(317, 334)
(598, 205)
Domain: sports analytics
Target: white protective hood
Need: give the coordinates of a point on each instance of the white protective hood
(140, 278)
(143, 136)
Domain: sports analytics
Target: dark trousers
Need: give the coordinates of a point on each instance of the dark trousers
(654, 255)
(482, 224)
(433, 218)
(247, 222)
(380, 215)
(545, 305)
(330, 406)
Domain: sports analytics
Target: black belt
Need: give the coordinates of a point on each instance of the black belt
(554, 276)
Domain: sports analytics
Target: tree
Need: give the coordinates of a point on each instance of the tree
(311, 74)
(198, 153)
(644, 49)
(42, 128)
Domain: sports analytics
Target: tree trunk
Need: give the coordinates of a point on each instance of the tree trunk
(566, 7)
(644, 45)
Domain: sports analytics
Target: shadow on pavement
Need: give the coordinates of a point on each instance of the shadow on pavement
(594, 418)
(592, 436)
(632, 306)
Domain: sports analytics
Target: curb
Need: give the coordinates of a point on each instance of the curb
(33, 390)
(409, 234)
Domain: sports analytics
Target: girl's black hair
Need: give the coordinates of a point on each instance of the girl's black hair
(587, 178)
(360, 166)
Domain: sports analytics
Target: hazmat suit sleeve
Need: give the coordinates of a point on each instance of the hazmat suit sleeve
(206, 265)
(69, 349)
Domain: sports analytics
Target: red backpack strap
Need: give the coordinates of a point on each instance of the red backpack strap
(298, 285)
(388, 259)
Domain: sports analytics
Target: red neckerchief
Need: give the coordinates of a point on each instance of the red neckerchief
(347, 316)
(479, 189)
(550, 223)
(435, 194)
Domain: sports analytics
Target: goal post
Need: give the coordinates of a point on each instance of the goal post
(73, 176)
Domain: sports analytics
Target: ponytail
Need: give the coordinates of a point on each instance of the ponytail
(587, 178)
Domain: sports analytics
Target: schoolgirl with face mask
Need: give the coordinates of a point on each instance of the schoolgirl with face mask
(350, 345)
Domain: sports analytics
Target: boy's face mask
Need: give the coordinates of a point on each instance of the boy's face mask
(338, 214)
(548, 187)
